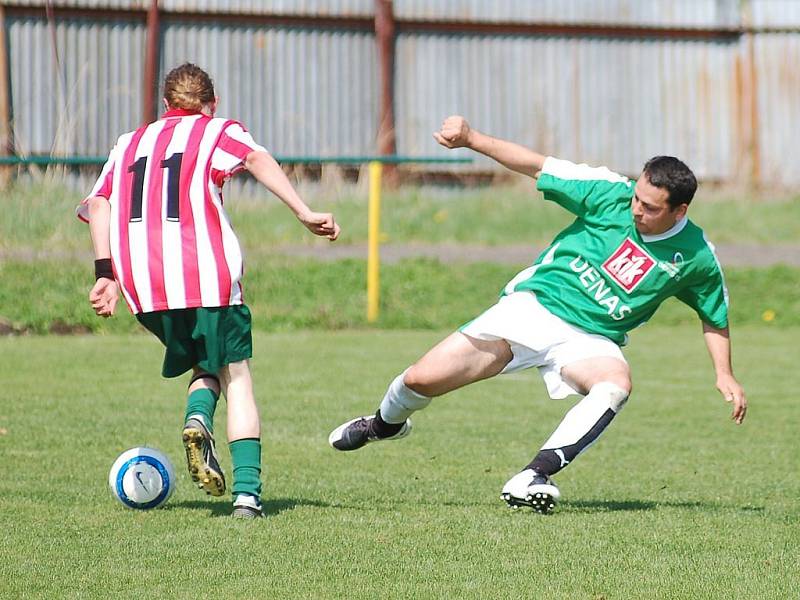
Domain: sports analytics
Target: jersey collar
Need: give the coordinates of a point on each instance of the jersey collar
(674, 230)
(179, 112)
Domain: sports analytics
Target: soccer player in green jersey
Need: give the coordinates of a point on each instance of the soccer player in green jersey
(630, 248)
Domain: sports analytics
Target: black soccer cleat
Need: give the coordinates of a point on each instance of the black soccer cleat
(358, 432)
(201, 458)
(532, 490)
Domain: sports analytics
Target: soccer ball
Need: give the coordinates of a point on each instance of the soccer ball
(142, 478)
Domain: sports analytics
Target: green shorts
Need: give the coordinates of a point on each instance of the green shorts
(209, 338)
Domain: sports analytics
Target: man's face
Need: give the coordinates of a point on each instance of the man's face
(651, 211)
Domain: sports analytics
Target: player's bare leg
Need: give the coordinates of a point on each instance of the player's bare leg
(198, 433)
(606, 384)
(244, 437)
(456, 361)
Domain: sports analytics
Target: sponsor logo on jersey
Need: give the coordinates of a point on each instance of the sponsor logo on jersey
(598, 288)
(629, 265)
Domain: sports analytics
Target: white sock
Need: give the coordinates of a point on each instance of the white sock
(401, 401)
(582, 417)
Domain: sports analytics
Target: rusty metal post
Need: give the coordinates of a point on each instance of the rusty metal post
(385, 38)
(5, 101)
(747, 83)
(151, 58)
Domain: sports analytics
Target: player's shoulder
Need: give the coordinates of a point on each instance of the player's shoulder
(694, 235)
(124, 139)
(696, 242)
(560, 168)
(228, 123)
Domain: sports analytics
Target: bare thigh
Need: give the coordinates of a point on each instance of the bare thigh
(583, 374)
(456, 361)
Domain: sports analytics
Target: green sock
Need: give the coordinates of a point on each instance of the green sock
(202, 402)
(246, 458)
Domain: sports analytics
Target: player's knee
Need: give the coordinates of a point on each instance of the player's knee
(419, 382)
(614, 392)
(203, 379)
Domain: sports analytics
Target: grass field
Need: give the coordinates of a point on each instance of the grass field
(674, 502)
(286, 294)
(41, 217)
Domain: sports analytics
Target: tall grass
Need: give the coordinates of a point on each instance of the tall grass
(40, 217)
(290, 294)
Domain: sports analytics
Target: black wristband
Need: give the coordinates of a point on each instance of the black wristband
(102, 268)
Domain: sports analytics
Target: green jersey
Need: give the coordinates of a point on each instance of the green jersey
(601, 275)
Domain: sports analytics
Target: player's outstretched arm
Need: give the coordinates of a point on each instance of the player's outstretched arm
(269, 173)
(718, 342)
(105, 293)
(457, 133)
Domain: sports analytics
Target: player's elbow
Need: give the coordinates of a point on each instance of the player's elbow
(97, 205)
(257, 160)
(97, 202)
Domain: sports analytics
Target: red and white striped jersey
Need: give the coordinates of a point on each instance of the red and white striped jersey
(172, 244)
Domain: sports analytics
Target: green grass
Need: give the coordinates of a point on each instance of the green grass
(40, 218)
(286, 293)
(674, 502)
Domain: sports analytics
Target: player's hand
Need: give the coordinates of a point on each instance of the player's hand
(321, 224)
(733, 393)
(454, 132)
(103, 297)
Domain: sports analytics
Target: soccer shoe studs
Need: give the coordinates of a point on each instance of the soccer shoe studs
(532, 490)
(201, 458)
(356, 433)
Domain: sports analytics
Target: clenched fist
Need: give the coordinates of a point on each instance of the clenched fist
(454, 132)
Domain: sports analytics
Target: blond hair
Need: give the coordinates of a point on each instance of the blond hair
(188, 87)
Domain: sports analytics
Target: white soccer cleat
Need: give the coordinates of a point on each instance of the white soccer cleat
(247, 507)
(528, 488)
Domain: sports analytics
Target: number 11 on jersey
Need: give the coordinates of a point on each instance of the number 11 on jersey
(173, 167)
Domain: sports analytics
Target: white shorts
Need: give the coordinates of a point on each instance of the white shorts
(539, 339)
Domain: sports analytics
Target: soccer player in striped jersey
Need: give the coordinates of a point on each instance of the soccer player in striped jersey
(630, 247)
(161, 237)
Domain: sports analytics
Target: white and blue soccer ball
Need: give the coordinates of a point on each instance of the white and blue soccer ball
(142, 478)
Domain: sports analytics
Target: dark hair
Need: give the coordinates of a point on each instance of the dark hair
(189, 87)
(671, 174)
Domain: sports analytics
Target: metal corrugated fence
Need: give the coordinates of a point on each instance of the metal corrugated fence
(712, 81)
(364, 8)
(673, 97)
(82, 107)
(300, 92)
(275, 7)
(657, 13)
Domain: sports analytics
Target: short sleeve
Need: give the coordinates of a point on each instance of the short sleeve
(232, 148)
(580, 188)
(709, 297)
(102, 187)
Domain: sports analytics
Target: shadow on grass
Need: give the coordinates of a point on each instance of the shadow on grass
(221, 508)
(608, 505)
(591, 506)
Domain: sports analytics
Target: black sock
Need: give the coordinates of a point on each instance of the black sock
(382, 429)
